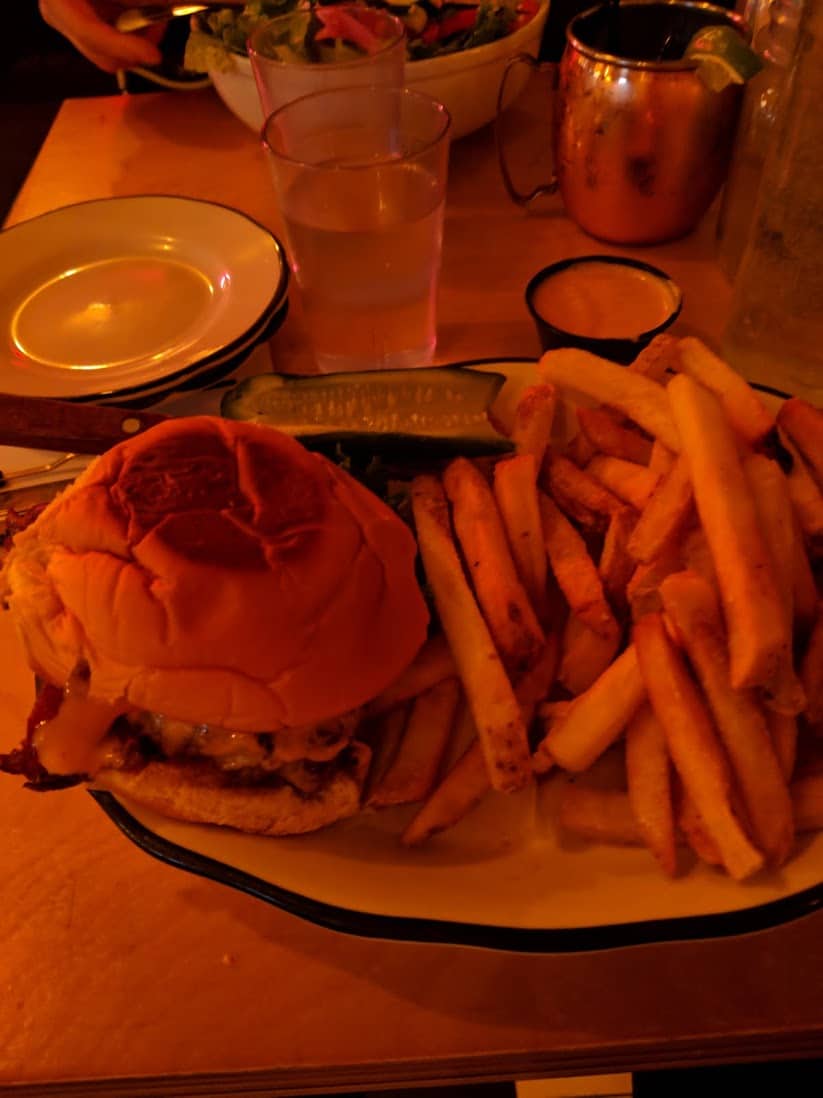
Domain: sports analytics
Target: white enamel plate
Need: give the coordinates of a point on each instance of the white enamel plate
(505, 878)
(119, 293)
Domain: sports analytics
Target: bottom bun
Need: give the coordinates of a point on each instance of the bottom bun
(196, 793)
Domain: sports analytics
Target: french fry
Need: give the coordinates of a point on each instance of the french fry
(533, 419)
(602, 815)
(743, 407)
(636, 396)
(596, 718)
(693, 827)
(774, 512)
(692, 743)
(665, 516)
(500, 726)
(783, 732)
(464, 733)
(466, 781)
(535, 684)
(759, 638)
(701, 753)
(616, 566)
(515, 489)
(806, 497)
(574, 570)
(510, 616)
(387, 732)
(579, 450)
(803, 423)
(662, 458)
(413, 771)
(650, 786)
(578, 493)
(553, 711)
(811, 674)
(627, 480)
(584, 655)
(691, 604)
(432, 664)
(609, 437)
(643, 590)
(776, 518)
(807, 798)
(465, 785)
(697, 556)
(657, 358)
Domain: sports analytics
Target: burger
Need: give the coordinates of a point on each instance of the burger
(207, 609)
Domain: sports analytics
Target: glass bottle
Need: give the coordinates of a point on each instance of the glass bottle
(775, 36)
(775, 331)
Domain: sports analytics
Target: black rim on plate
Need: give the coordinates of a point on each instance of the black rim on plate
(367, 924)
(271, 315)
(724, 924)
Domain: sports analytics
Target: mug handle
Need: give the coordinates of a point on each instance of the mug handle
(522, 198)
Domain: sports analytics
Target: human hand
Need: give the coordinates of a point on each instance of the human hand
(88, 26)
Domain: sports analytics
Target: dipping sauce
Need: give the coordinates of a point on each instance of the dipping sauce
(601, 300)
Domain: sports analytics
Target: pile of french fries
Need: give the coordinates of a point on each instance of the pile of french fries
(646, 592)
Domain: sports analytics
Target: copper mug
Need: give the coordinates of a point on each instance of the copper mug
(641, 144)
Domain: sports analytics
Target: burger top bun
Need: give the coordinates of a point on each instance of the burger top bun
(217, 572)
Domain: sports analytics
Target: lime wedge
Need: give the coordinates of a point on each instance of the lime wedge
(722, 57)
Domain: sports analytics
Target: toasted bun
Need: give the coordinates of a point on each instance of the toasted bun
(197, 794)
(219, 573)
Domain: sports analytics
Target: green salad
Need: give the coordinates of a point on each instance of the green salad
(317, 33)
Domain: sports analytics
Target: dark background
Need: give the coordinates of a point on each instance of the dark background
(38, 69)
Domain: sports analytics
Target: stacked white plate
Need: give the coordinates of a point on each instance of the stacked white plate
(131, 299)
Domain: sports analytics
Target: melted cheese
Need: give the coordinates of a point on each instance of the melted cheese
(72, 741)
(76, 740)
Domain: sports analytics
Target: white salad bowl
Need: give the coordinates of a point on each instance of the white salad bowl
(467, 82)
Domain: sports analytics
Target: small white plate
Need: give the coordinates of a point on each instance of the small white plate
(119, 293)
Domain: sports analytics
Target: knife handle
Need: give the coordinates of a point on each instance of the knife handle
(45, 424)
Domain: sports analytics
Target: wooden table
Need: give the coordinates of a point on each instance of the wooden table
(120, 975)
(190, 145)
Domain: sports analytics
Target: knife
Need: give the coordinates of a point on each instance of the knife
(41, 423)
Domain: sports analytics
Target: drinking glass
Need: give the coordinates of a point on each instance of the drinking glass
(284, 70)
(360, 176)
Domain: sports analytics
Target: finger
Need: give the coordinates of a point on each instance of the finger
(109, 49)
(112, 63)
(102, 61)
(155, 33)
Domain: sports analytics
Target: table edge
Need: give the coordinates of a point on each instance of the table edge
(628, 1056)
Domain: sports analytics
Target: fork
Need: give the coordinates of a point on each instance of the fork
(137, 18)
(34, 470)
